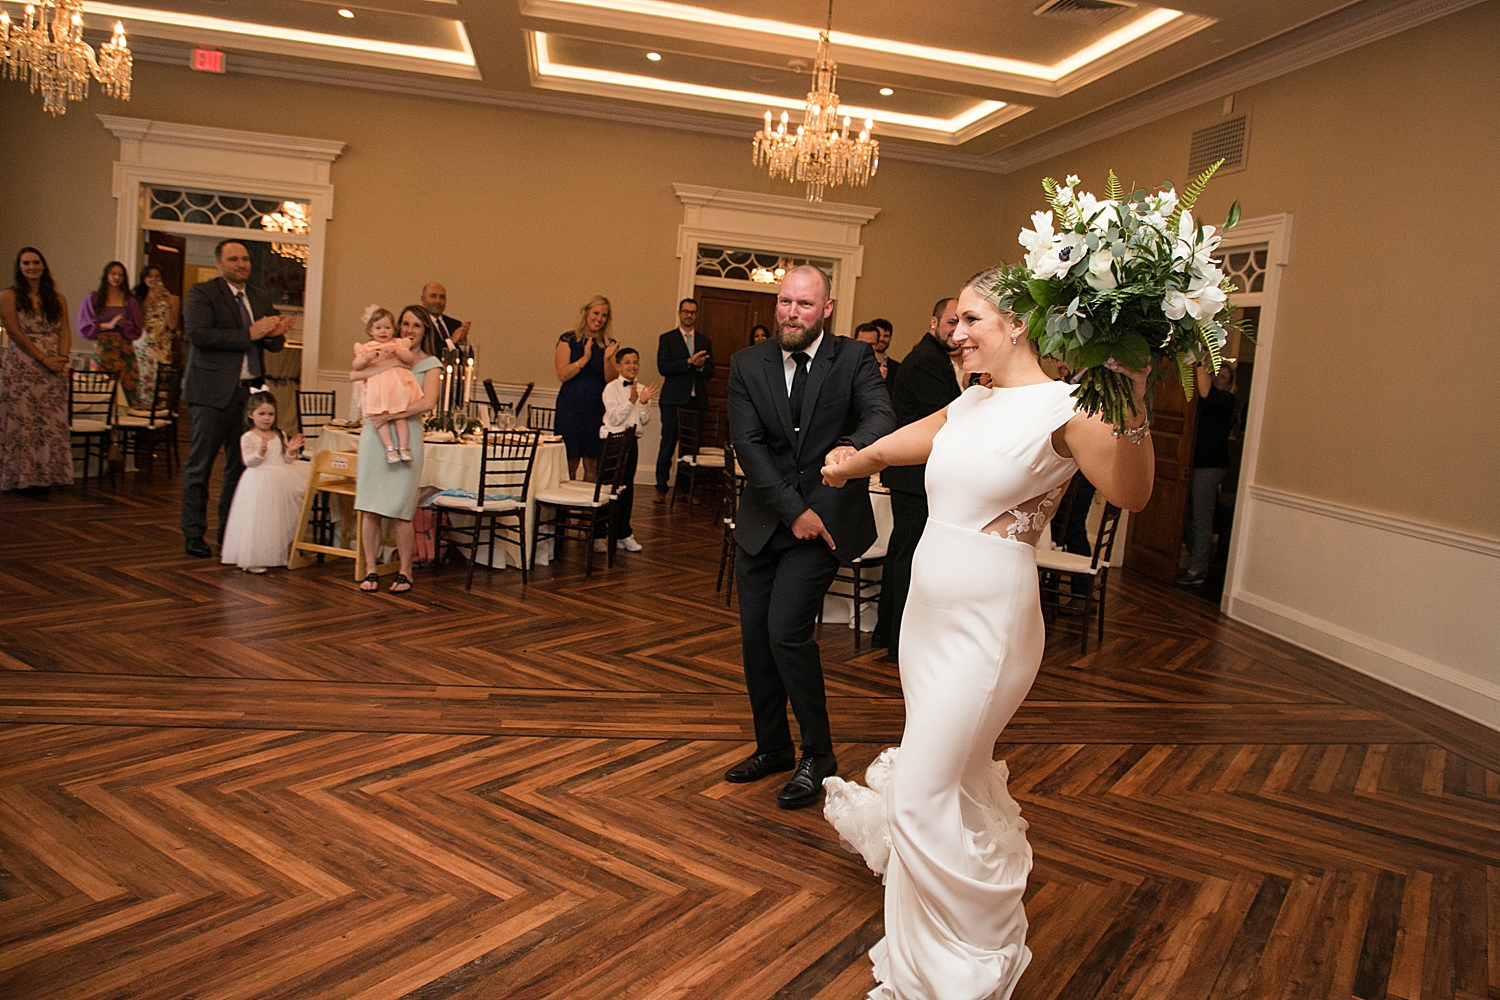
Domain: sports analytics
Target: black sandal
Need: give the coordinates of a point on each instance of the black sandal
(370, 578)
(400, 580)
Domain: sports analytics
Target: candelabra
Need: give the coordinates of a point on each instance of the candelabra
(819, 153)
(47, 48)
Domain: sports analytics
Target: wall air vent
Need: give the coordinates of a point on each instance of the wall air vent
(1085, 11)
(1227, 140)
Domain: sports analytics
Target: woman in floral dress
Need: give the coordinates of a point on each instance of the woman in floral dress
(161, 313)
(36, 450)
(111, 318)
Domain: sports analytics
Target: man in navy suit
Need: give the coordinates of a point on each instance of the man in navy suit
(685, 359)
(797, 402)
(228, 326)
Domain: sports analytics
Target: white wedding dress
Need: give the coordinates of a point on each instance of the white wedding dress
(937, 819)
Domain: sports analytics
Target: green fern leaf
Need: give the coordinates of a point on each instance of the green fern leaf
(1210, 347)
(1184, 374)
(1190, 196)
(1112, 190)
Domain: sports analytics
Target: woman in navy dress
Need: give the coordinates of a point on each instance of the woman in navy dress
(585, 360)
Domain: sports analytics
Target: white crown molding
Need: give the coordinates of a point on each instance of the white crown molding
(699, 196)
(875, 54)
(221, 139)
(1312, 43)
(1383, 522)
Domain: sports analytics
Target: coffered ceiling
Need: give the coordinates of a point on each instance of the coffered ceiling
(980, 83)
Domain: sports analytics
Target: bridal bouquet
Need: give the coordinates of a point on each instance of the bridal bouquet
(1127, 276)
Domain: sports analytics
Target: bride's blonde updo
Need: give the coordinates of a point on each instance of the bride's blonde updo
(987, 284)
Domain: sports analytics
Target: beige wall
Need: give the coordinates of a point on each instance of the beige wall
(1382, 391)
(522, 215)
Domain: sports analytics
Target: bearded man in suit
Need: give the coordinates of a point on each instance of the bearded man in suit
(229, 325)
(797, 402)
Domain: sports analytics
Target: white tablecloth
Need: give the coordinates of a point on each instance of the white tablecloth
(456, 467)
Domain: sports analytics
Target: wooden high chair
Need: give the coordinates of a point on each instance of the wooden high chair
(333, 473)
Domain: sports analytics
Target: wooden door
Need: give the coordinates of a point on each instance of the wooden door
(168, 252)
(726, 316)
(1153, 545)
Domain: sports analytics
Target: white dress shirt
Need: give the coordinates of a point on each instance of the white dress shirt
(620, 413)
(811, 350)
(233, 292)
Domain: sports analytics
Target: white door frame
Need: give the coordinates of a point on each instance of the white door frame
(196, 157)
(1276, 232)
(792, 227)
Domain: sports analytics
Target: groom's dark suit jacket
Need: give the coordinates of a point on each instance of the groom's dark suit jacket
(845, 403)
(220, 340)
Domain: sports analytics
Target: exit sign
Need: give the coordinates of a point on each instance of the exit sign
(208, 60)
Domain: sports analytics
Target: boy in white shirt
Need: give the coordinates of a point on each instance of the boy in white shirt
(626, 406)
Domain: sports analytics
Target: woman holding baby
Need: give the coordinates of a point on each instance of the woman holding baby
(390, 445)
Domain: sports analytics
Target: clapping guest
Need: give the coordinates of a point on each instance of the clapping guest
(882, 345)
(685, 359)
(36, 451)
(627, 408)
(869, 333)
(161, 314)
(111, 318)
(585, 360)
(453, 336)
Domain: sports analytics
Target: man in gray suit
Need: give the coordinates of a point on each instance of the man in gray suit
(228, 325)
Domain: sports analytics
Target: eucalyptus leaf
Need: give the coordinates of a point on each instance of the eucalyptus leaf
(1234, 216)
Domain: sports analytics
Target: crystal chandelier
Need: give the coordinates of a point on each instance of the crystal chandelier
(291, 218)
(819, 153)
(48, 49)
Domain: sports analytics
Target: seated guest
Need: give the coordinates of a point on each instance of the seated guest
(627, 407)
(453, 336)
(869, 333)
(881, 346)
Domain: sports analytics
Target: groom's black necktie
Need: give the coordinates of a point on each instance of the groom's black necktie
(799, 388)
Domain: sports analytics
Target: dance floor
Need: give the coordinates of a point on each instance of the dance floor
(216, 785)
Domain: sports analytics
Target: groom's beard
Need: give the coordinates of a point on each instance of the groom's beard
(796, 338)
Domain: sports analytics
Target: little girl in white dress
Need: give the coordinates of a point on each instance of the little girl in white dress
(268, 499)
(393, 389)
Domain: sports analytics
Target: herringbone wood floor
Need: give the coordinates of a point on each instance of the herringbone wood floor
(214, 785)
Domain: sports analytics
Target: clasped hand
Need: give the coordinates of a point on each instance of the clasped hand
(835, 458)
(270, 326)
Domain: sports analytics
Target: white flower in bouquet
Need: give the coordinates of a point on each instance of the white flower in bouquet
(1203, 300)
(1101, 274)
(1049, 254)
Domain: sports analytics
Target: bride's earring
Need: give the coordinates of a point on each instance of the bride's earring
(1013, 341)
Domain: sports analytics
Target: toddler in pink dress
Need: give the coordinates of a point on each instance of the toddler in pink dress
(393, 388)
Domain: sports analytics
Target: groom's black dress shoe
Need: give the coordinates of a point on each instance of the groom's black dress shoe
(807, 784)
(197, 547)
(758, 765)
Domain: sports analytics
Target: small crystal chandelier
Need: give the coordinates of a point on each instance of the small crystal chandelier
(819, 153)
(48, 49)
(292, 218)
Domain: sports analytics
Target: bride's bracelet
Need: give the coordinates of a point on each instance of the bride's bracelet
(1135, 435)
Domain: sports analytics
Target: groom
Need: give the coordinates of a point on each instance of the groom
(801, 400)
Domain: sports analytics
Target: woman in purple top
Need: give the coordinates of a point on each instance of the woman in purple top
(111, 318)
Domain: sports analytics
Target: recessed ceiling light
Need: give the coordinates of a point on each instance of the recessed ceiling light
(345, 12)
(654, 56)
(886, 91)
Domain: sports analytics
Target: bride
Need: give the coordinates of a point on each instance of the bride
(937, 819)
